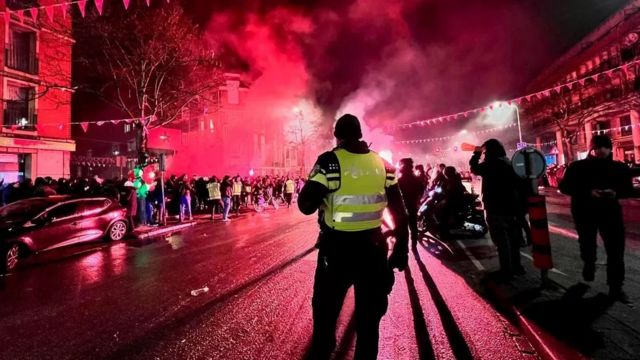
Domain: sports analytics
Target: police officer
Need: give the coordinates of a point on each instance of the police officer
(350, 187)
(237, 192)
(595, 185)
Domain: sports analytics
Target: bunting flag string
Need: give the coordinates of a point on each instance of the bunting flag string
(444, 138)
(517, 101)
(83, 124)
(33, 12)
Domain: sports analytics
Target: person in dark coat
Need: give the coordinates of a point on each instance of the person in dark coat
(500, 186)
(130, 201)
(595, 185)
(439, 178)
(412, 189)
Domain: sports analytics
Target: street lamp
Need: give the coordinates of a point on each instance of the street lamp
(499, 104)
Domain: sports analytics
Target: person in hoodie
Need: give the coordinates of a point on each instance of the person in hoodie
(595, 185)
(500, 195)
(350, 187)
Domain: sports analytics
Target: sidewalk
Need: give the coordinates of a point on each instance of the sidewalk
(572, 319)
(146, 232)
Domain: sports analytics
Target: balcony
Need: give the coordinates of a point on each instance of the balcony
(17, 116)
(22, 4)
(20, 60)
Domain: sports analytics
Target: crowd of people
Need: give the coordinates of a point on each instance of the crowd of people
(184, 196)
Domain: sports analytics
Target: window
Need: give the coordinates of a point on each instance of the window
(20, 52)
(625, 125)
(602, 126)
(93, 206)
(20, 108)
(127, 128)
(64, 211)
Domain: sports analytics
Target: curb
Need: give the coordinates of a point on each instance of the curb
(165, 230)
(546, 345)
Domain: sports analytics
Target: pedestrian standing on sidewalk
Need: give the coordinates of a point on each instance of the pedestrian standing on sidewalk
(595, 185)
(350, 187)
(227, 192)
(500, 186)
(185, 199)
(130, 202)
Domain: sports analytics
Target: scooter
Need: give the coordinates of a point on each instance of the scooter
(468, 223)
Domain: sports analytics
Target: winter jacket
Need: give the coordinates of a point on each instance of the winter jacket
(500, 185)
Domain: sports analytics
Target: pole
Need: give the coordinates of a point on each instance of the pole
(519, 126)
(163, 203)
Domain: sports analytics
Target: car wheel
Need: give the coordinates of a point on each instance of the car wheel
(117, 231)
(10, 258)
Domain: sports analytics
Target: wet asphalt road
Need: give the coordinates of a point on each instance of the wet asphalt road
(132, 300)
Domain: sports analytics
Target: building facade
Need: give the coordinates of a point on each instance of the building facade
(224, 135)
(602, 98)
(35, 140)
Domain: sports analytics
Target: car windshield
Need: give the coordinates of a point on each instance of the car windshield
(23, 210)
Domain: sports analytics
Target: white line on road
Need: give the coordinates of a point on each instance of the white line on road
(554, 270)
(554, 228)
(471, 257)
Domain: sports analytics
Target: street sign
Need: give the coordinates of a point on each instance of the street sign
(528, 163)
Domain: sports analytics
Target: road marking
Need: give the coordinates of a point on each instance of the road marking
(554, 270)
(562, 231)
(470, 255)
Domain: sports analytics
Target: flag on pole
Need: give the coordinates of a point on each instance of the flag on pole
(82, 6)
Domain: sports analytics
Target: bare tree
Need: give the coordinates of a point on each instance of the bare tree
(150, 63)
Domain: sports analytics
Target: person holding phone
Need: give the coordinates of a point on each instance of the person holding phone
(595, 185)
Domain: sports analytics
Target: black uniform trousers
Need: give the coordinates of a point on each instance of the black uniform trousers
(607, 219)
(356, 259)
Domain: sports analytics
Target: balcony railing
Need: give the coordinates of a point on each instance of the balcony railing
(19, 118)
(24, 61)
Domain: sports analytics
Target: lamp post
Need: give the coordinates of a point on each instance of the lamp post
(518, 120)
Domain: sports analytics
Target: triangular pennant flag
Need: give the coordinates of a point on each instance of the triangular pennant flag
(7, 16)
(115, 122)
(148, 2)
(99, 123)
(581, 82)
(126, 4)
(84, 126)
(21, 15)
(99, 5)
(49, 10)
(33, 12)
(546, 93)
(82, 6)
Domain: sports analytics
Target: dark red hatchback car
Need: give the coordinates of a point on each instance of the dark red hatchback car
(39, 224)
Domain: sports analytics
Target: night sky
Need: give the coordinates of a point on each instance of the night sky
(417, 58)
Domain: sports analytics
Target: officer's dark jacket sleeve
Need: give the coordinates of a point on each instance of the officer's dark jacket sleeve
(476, 168)
(396, 209)
(316, 188)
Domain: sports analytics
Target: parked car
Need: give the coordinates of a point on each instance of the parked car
(40, 224)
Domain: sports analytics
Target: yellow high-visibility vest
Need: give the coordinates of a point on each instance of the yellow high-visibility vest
(214, 191)
(237, 188)
(358, 196)
(290, 187)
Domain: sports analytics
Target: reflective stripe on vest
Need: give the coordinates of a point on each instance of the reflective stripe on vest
(359, 201)
(237, 188)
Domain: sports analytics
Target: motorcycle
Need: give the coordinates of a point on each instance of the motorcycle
(468, 222)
